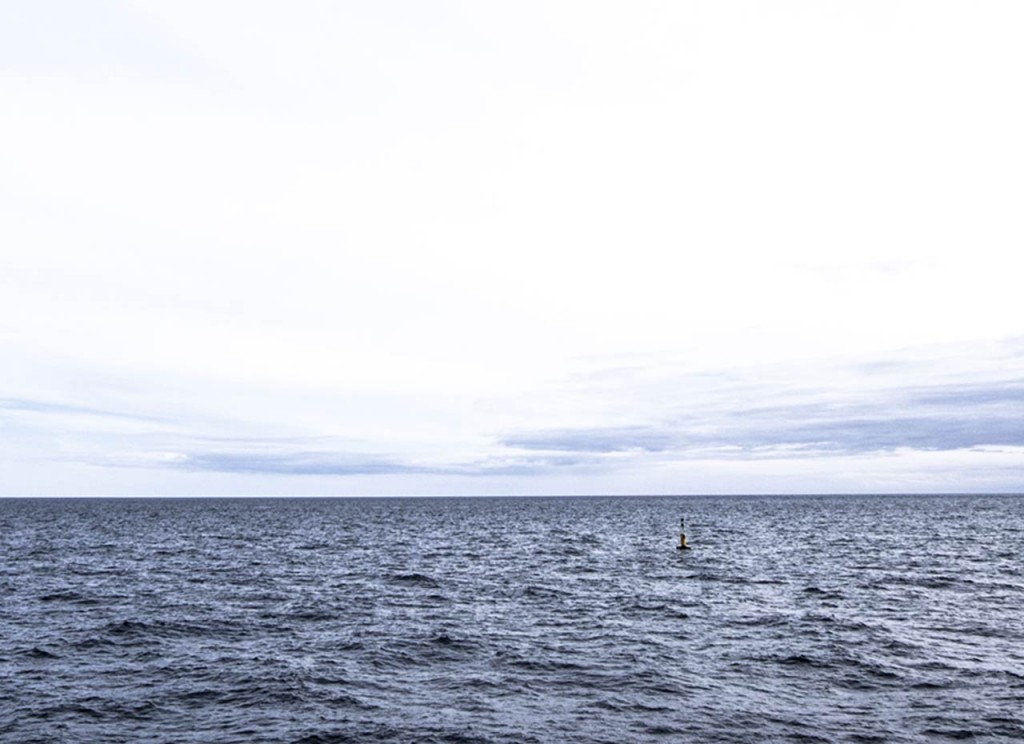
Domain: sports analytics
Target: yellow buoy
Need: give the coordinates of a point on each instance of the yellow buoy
(682, 535)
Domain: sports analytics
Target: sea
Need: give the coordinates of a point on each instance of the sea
(792, 619)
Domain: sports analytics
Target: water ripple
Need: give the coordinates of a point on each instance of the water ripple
(862, 619)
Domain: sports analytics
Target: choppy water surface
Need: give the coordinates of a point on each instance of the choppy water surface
(512, 620)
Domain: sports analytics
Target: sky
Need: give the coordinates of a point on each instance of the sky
(448, 248)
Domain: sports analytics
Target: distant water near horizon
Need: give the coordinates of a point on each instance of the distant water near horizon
(811, 618)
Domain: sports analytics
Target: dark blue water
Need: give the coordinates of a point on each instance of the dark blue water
(857, 619)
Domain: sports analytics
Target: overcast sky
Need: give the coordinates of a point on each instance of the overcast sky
(363, 248)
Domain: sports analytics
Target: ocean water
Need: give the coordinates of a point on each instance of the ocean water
(830, 618)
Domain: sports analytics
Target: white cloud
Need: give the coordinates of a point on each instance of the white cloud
(416, 223)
